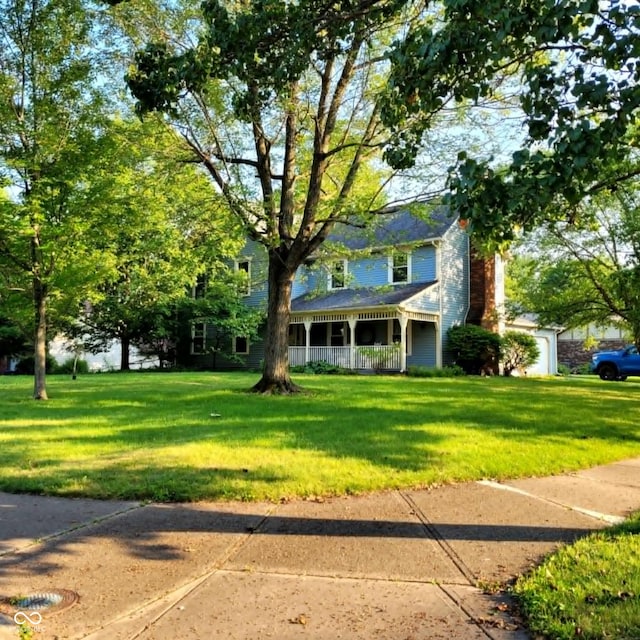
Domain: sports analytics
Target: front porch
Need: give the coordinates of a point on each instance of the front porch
(369, 340)
(376, 357)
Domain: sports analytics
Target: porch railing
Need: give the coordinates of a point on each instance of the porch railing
(379, 357)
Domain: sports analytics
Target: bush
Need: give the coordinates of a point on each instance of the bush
(82, 366)
(433, 372)
(518, 351)
(564, 369)
(584, 369)
(318, 367)
(473, 348)
(26, 365)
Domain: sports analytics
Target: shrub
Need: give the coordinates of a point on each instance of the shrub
(318, 367)
(82, 366)
(584, 369)
(518, 351)
(563, 369)
(433, 372)
(26, 365)
(474, 348)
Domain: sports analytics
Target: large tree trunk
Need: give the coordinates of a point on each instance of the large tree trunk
(275, 374)
(40, 341)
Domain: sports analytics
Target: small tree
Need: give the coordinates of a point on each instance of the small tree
(474, 348)
(518, 351)
(52, 125)
(574, 276)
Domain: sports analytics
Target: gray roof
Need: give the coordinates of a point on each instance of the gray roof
(398, 226)
(357, 298)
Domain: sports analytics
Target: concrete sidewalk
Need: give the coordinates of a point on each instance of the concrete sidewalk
(396, 565)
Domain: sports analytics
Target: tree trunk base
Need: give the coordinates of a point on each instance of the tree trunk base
(276, 387)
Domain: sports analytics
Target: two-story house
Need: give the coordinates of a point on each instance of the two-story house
(380, 298)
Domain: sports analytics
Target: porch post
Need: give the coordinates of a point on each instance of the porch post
(307, 340)
(353, 321)
(404, 321)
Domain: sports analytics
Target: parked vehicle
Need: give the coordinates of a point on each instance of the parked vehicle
(616, 365)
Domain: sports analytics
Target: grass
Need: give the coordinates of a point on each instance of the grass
(197, 436)
(589, 590)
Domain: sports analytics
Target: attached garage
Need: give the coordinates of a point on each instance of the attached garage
(546, 338)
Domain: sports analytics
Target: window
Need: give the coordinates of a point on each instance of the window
(241, 345)
(243, 267)
(399, 268)
(337, 277)
(198, 338)
(337, 334)
(297, 335)
(200, 287)
(396, 332)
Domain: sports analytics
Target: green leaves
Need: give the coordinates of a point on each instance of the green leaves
(261, 48)
(156, 79)
(580, 98)
(574, 276)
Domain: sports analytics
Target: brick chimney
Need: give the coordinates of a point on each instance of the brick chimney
(486, 291)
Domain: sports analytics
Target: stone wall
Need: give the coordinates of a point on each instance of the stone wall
(572, 352)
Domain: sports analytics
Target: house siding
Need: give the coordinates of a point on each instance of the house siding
(368, 272)
(423, 352)
(428, 301)
(424, 264)
(256, 253)
(309, 278)
(571, 343)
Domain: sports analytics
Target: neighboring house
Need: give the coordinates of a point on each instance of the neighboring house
(376, 299)
(575, 346)
(8, 364)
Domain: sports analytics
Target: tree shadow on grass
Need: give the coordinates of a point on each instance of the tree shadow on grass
(401, 425)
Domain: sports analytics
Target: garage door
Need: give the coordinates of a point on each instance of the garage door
(541, 367)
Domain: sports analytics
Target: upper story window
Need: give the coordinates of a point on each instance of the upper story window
(200, 287)
(338, 274)
(243, 267)
(399, 268)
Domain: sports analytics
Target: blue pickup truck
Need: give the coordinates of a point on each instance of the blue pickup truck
(616, 365)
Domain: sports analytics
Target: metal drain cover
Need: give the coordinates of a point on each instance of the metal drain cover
(49, 601)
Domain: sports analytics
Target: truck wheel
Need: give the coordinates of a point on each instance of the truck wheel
(608, 372)
(621, 378)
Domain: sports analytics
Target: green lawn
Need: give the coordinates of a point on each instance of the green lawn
(588, 590)
(195, 436)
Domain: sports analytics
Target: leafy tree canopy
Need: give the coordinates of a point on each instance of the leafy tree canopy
(52, 128)
(578, 62)
(573, 276)
(163, 225)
